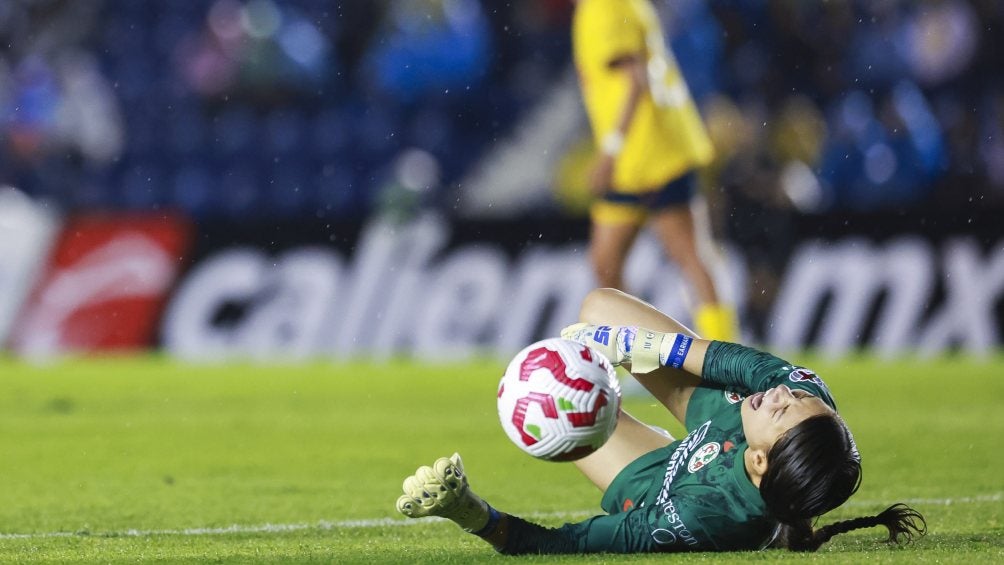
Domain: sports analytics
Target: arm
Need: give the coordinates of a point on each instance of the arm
(443, 490)
(633, 68)
(642, 349)
(718, 362)
(607, 306)
(674, 526)
(610, 50)
(516, 536)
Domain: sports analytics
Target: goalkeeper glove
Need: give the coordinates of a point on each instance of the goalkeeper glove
(442, 490)
(644, 349)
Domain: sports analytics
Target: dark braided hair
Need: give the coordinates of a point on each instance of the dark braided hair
(904, 523)
(812, 469)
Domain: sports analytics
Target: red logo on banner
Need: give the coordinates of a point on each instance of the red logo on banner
(105, 286)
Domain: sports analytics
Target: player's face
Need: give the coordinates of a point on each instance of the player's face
(768, 415)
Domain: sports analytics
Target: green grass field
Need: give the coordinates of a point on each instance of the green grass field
(149, 460)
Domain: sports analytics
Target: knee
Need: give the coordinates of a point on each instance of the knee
(597, 303)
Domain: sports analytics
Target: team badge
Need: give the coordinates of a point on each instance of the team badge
(704, 455)
(801, 375)
(733, 397)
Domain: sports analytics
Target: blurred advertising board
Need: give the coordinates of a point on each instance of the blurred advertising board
(444, 290)
(435, 289)
(26, 233)
(425, 288)
(103, 285)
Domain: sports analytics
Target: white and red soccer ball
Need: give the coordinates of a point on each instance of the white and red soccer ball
(559, 400)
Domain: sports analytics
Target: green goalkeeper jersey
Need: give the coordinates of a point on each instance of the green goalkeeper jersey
(693, 494)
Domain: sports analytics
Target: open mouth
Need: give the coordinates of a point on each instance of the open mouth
(756, 400)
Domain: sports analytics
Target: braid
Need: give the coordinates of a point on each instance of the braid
(904, 523)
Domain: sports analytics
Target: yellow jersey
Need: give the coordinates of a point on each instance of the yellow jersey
(666, 137)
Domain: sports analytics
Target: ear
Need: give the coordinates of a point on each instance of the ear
(756, 464)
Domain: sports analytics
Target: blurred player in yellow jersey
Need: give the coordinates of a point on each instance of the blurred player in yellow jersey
(651, 139)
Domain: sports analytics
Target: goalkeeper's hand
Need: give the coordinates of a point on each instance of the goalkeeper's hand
(442, 490)
(605, 339)
(645, 350)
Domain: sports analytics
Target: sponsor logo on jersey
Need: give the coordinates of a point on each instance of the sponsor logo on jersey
(679, 458)
(675, 529)
(733, 397)
(803, 375)
(706, 454)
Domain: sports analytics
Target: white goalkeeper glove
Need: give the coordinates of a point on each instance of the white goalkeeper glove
(442, 490)
(644, 349)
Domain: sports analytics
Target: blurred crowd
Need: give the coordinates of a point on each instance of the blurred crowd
(859, 105)
(294, 108)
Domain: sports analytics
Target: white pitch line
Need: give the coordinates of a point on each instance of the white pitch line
(326, 525)
(323, 525)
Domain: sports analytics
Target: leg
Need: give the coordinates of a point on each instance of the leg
(676, 230)
(630, 440)
(672, 387)
(608, 249)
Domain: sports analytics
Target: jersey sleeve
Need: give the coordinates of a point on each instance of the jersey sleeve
(608, 31)
(738, 366)
(675, 525)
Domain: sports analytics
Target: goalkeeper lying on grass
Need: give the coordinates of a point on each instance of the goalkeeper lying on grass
(766, 454)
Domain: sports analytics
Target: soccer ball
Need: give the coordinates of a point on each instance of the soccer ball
(559, 400)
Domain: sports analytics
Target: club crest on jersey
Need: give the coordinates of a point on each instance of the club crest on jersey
(802, 375)
(704, 455)
(733, 397)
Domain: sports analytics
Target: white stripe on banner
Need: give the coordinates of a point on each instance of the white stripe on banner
(325, 525)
